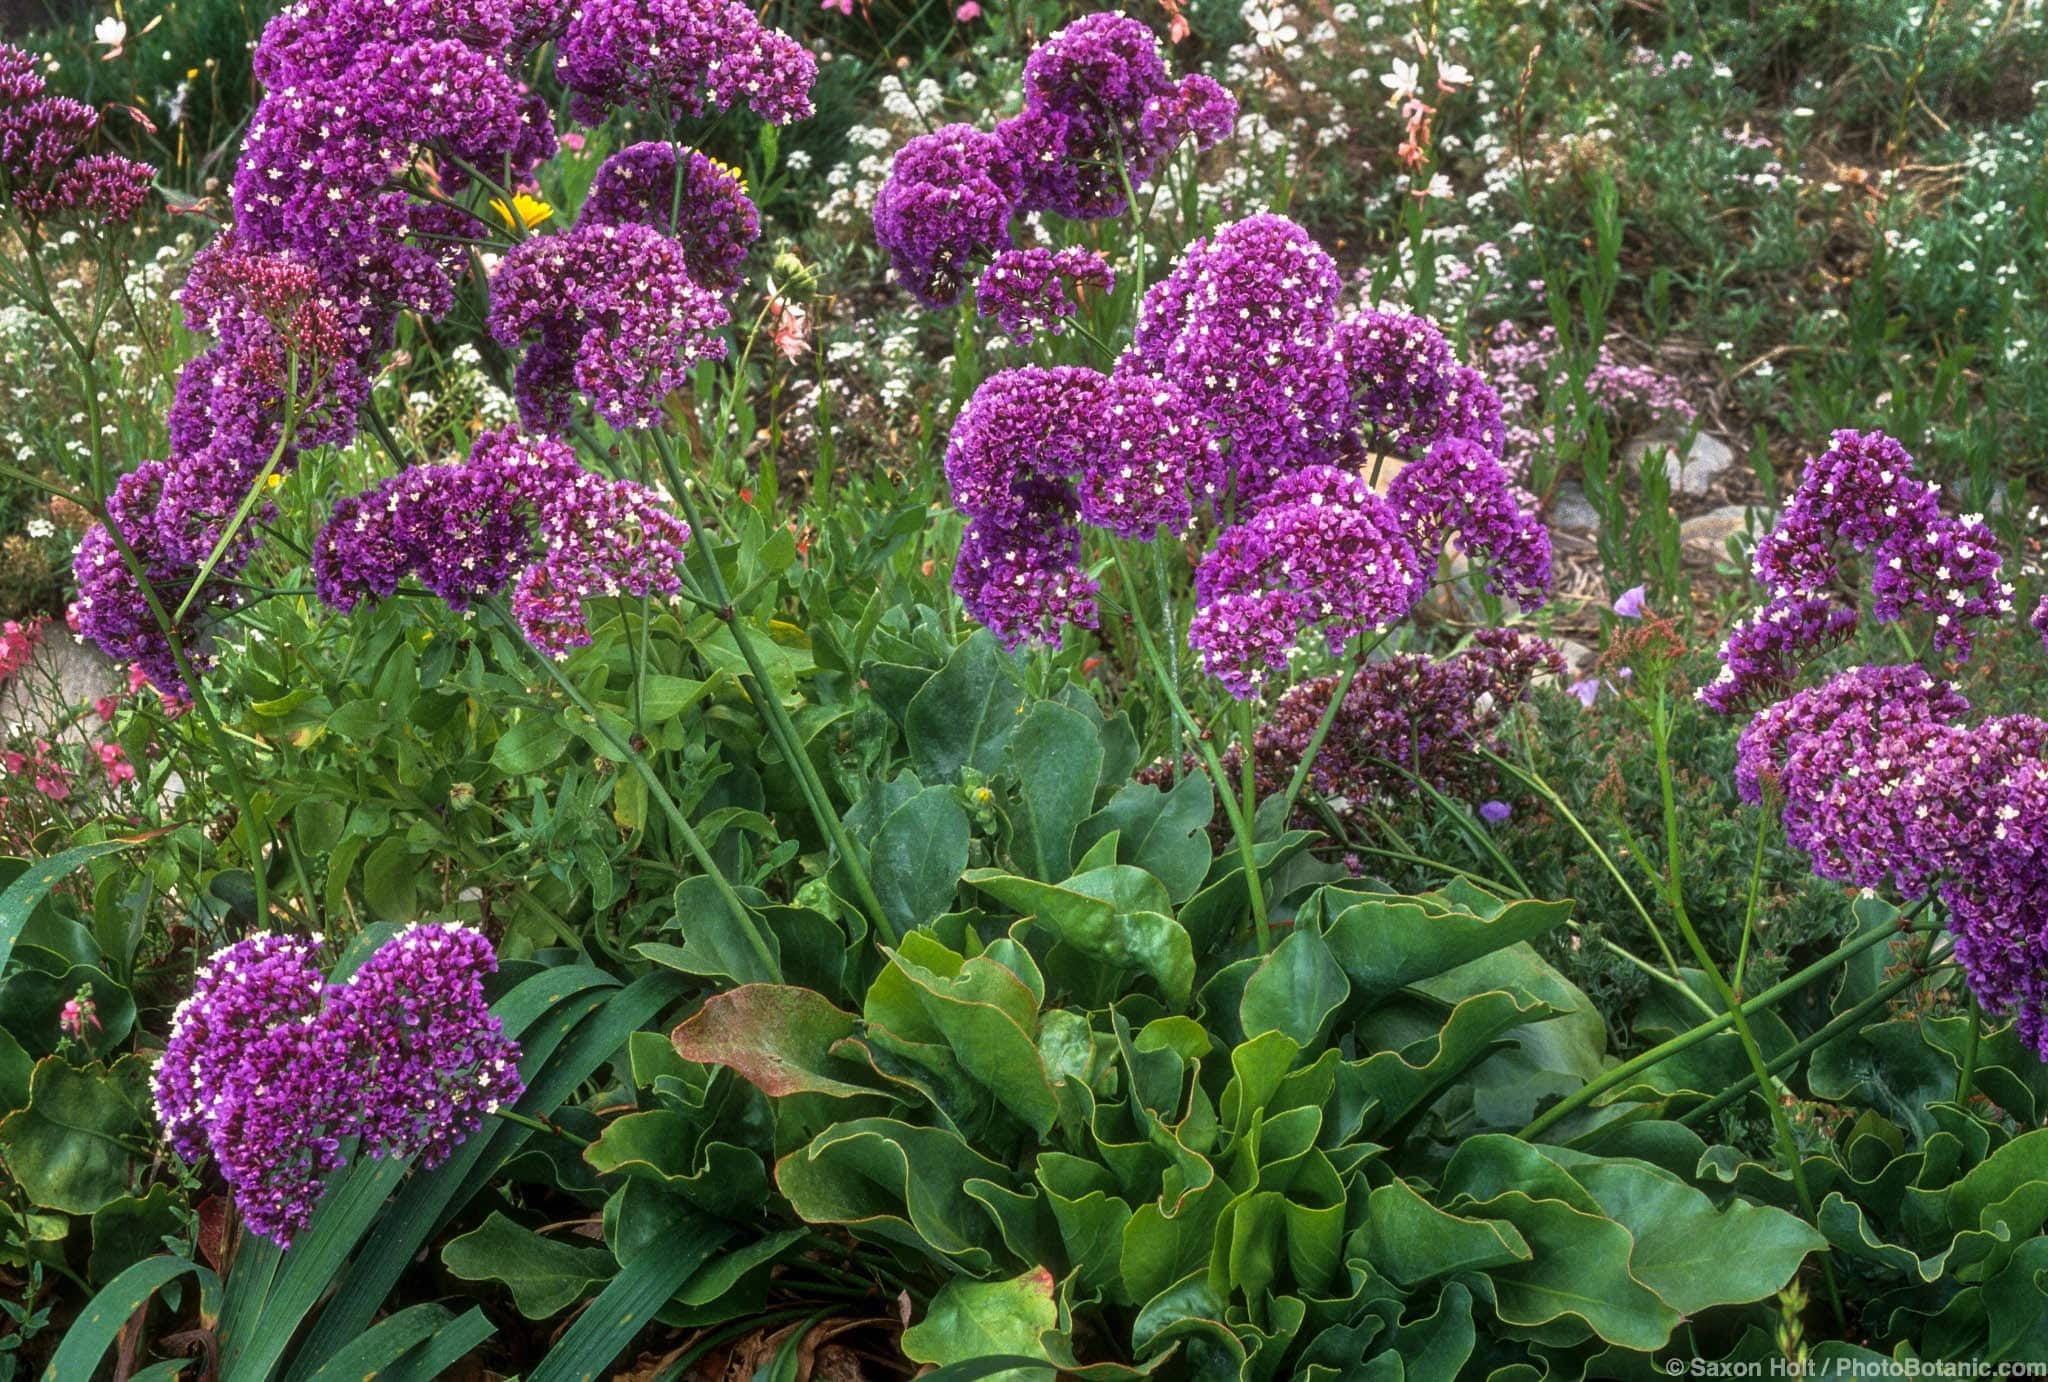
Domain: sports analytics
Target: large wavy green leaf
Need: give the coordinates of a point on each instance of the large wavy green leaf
(544, 1275)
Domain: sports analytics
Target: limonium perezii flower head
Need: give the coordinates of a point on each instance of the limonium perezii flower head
(45, 172)
(1321, 551)
(1460, 488)
(1400, 371)
(1021, 577)
(1861, 495)
(271, 1069)
(2040, 620)
(113, 609)
(1246, 326)
(616, 316)
(709, 214)
(1026, 290)
(519, 510)
(1100, 108)
(666, 59)
(1765, 650)
(947, 203)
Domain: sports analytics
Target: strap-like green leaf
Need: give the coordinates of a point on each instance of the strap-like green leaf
(561, 1052)
(378, 1351)
(430, 1358)
(90, 1336)
(602, 1332)
(27, 891)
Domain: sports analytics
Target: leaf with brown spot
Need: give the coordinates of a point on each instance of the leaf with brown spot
(776, 1037)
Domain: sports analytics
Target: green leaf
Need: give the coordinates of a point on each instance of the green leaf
(1694, 1256)
(982, 1319)
(1055, 757)
(1116, 915)
(1385, 944)
(1578, 1271)
(918, 856)
(890, 1181)
(86, 1341)
(989, 1018)
(531, 745)
(28, 890)
(1411, 1240)
(69, 1149)
(1296, 991)
(545, 1275)
(1164, 833)
(775, 1037)
(391, 881)
(126, 1230)
(609, 1323)
(964, 716)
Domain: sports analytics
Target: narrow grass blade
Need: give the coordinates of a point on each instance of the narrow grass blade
(602, 1332)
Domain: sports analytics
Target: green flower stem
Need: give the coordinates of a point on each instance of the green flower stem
(542, 1125)
(1788, 1145)
(1557, 804)
(1685, 1041)
(1966, 1078)
(773, 713)
(1843, 1022)
(1239, 821)
(676, 819)
(248, 504)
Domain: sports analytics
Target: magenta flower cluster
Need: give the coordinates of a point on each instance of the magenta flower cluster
(519, 510)
(1884, 785)
(272, 1069)
(1027, 291)
(46, 174)
(1244, 383)
(1101, 114)
(1039, 451)
(377, 117)
(1322, 551)
(1860, 496)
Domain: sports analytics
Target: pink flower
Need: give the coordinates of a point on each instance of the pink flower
(573, 142)
(78, 1014)
(105, 707)
(968, 12)
(845, 7)
(792, 330)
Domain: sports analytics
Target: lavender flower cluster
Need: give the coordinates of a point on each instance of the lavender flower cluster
(1859, 496)
(1405, 718)
(518, 511)
(46, 176)
(378, 116)
(1879, 776)
(1026, 290)
(1244, 381)
(272, 1069)
(1101, 116)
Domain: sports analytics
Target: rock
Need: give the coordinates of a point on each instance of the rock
(1692, 469)
(1705, 537)
(1571, 511)
(1578, 657)
(61, 674)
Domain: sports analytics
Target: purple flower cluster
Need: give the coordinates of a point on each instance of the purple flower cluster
(2040, 620)
(1242, 376)
(520, 510)
(706, 210)
(271, 1068)
(670, 59)
(1321, 551)
(1406, 717)
(45, 173)
(1037, 452)
(1246, 324)
(112, 608)
(1100, 108)
(1861, 495)
(1760, 660)
(1525, 371)
(328, 246)
(1026, 290)
(1884, 785)
(947, 202)
(1100, 112)
(1461, 489)
(612, 311)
